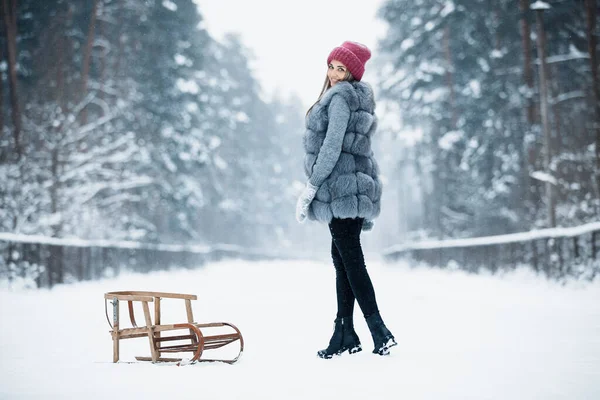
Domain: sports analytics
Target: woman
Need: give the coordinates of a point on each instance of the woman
(344, 190)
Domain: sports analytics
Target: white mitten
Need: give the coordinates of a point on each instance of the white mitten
(367, 225)
(306, 197)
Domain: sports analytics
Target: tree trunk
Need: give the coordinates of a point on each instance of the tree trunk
(60, 81)
(101, 32)
(528, 154)
(541, 44)
(62, 57)
(554, 90)
(591, 15)
(557, 143)
(121, 39)
(55, 191)
(527, 68)
(449, 77)
(2, 151)
(85, 70)
(443, 167)
(497, 16)
(10, 25)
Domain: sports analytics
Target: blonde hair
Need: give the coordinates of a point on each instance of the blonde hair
(327, 85)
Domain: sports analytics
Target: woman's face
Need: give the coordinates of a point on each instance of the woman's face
(336, 72)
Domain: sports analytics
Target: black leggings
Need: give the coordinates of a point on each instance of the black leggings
(352, 280)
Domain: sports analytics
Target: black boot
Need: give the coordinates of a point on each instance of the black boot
(382, 337)
(344, 338)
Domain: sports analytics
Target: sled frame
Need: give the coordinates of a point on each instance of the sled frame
(191, 333)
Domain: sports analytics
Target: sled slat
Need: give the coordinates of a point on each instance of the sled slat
(169, 338)
(161, 359)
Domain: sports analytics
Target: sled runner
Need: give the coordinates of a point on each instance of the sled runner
(186, 337)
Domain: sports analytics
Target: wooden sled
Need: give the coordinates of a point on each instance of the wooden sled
(188, 336)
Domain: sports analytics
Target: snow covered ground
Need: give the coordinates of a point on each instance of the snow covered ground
(460, 336)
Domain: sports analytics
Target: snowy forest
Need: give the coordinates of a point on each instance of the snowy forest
(127, 120)
(114, 129)
(506, 101)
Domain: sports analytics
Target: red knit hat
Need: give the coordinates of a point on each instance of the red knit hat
(353, 55)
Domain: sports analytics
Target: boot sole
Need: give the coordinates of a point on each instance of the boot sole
(385, 349)
(350, 350)
(353, 350)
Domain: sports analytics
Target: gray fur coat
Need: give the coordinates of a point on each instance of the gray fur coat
(339, 160)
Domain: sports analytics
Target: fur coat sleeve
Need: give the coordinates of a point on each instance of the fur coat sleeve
(338, 114)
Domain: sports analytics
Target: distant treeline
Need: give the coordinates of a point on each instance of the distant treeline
(125, 119)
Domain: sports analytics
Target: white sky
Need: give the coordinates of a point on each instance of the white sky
(291, 39)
